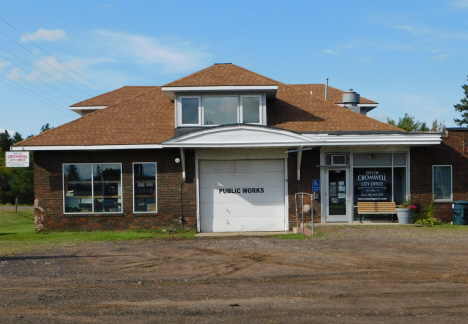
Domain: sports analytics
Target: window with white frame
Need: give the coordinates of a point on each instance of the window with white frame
(379, 177)
(442, 182)
(145, 187)
(212, 110)
(92, 188)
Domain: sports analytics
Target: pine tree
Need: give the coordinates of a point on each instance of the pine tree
(462, 107)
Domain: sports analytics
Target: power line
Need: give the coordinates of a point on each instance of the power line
(52, 55)
(44, 72)
(50, 65)
(36, 88)
(84, 85)
(56, 89)
(34, 97)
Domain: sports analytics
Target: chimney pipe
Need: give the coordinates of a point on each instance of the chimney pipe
(351, 100)
(326, 89)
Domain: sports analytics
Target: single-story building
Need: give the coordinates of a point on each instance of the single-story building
(226, 149)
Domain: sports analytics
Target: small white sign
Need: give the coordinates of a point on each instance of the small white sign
(17, 159)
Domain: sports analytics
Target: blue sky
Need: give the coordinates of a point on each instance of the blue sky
(410, 56)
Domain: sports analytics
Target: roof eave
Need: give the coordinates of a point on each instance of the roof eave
(270, 90)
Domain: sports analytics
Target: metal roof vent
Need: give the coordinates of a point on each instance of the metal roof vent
(351, 100)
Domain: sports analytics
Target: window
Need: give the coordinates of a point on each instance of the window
(379, 177)
(92, 188)
(219, 110)
(144, 187)
(190, 111)
(250, 110)
(442, 182)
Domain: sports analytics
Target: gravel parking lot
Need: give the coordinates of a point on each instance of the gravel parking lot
(351, 274)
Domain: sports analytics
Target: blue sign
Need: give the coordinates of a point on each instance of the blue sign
(315, 185)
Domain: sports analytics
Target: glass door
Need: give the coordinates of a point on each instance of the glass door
(337, 202)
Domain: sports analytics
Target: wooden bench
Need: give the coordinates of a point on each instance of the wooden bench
(376, 208)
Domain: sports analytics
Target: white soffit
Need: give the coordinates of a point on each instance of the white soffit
(376, 139)
(86, 109)
(270, 90)
(239, 136)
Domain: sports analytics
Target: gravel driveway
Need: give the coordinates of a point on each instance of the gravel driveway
(352, 274)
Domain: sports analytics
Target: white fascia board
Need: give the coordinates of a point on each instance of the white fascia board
(81, 110)
(269, 89)
(86, 147)
(88, 108)
(366, 105)
(380, 139)
(239, 145)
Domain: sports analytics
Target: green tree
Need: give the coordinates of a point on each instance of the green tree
(17, 138)
(45, 127)
(5, 141)
(462, 107)
(410, 124)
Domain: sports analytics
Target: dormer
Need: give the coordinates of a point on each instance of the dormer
(222, 94)
(220, 105)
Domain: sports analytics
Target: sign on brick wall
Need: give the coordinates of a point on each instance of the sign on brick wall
(17, 159)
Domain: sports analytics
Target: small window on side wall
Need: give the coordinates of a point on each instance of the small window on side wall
(190, 110)
(250, 110)
(144, 187)
(442, 182)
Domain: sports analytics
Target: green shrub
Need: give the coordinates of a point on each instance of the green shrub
(426, 216)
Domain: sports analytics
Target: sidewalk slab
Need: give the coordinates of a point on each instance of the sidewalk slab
(225, 234)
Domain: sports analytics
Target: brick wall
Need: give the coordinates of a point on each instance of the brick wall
(452, 151)
(309, 172)
(48, 187)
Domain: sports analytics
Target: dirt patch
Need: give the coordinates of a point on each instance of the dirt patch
(349, 275)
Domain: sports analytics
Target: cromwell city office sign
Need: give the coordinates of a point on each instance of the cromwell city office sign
(17, 159)
(372, 185)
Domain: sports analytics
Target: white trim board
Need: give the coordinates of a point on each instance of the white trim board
(85, 147)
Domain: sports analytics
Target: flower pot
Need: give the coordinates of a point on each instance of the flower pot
(405, 215)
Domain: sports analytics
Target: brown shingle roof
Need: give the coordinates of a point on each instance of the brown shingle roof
(297, 110)
(145, 119)
(334, 95)
(113, 97)
(146, 115)
(222, 75)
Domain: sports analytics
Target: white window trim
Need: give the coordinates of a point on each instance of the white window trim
(241, 109)
(203, 108)
(92, 189)
(155, 187)
(451, 183)
(201, 115)
(179, 111)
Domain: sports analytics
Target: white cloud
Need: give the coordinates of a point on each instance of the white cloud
(14, 74)
(4, 64)
(439, 57)
(10, 132)
(360, 43)
(460, 3)
(45, 35)
(329, 51)
(415, 30)
(172, 55)
(433, 33)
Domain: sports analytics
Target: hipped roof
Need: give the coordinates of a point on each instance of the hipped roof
(144, 115)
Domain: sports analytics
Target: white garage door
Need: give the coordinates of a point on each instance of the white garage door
(242, 195)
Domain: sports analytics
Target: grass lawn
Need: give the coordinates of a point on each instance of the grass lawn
(17, 234)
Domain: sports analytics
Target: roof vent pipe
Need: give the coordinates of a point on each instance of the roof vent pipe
(351, 100)
(326, 89)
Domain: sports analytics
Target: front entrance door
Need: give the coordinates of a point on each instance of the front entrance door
(337, 196)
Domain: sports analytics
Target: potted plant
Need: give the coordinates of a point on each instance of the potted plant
(405, 212)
